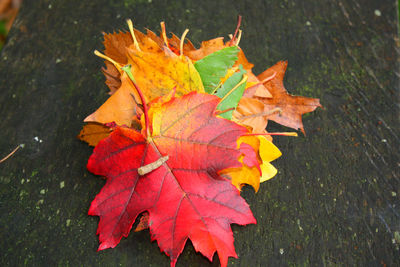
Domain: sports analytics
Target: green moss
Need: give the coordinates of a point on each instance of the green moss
(129, 3)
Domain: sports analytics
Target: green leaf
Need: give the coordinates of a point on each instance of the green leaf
(214, 66)
(232, 97)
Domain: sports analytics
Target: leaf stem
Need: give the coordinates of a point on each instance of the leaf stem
(269, 78)
(12, 153)
(278, 133)
(116, 64)
(130, 26)
(127, 69)
(182, 42)
(265, 80)
(239, 37)
(219, 112)
(230, 72)
(244, 79)
(164, 34)
(261, 114)
(236, 31)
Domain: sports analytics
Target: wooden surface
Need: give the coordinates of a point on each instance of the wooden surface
(335, 200)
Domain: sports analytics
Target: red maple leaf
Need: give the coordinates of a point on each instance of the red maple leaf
(185, 196)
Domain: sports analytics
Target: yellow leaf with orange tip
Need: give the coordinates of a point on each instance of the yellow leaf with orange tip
(157, 73)
(116, 45)
(266, 152)
(156, 69)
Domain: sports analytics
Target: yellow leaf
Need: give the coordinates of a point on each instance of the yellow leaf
(157, 73)
(266, 151)
(243, 175)
(268, 171)
(156, 69)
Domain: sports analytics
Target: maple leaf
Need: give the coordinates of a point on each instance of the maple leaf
(291, 107)
(283, 108)
(156, 72)
(249, 173)
(185, 196)
(156, 68)
(116, 47)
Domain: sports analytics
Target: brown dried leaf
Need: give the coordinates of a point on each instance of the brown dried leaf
(292, 107)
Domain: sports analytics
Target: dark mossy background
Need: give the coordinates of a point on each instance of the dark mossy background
(335, 200)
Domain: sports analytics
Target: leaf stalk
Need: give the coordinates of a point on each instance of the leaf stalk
(236, 31)
(127, 69)
(278, 133)
(130, 26)
(244, 79)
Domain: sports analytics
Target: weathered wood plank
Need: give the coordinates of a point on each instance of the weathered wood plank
(335, 200)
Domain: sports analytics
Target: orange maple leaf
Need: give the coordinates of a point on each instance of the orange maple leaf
(283, 108)
(292, 107)
(120, 107)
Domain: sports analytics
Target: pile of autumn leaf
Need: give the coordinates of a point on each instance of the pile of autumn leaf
(181, 133)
